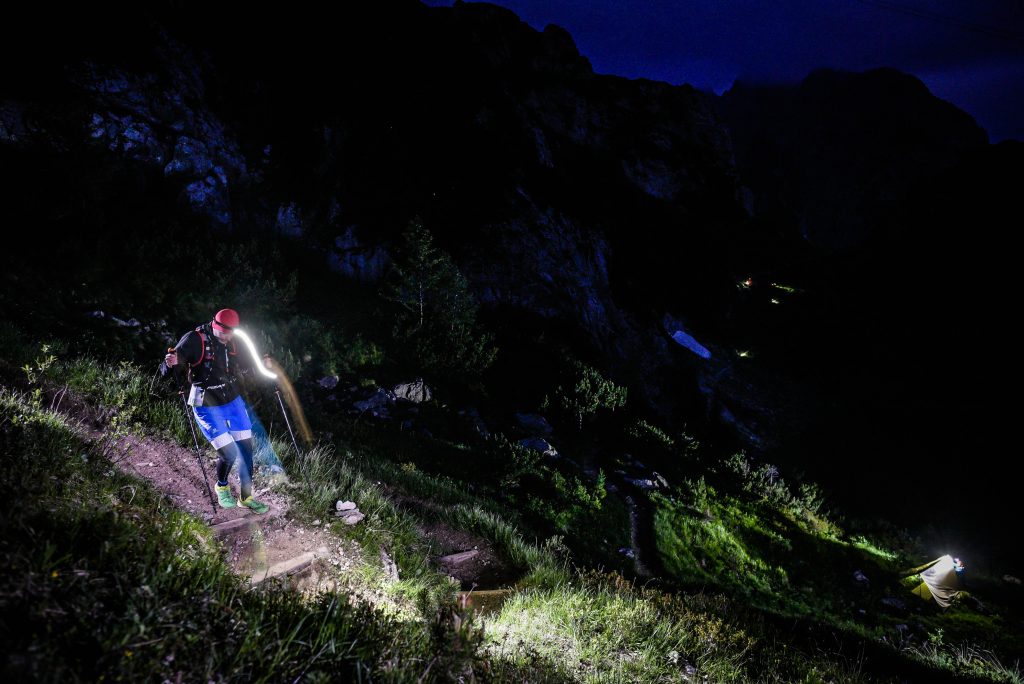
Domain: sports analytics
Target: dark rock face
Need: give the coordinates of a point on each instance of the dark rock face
(156, 118)
(585, 198)
(161, 118)
(835, 154)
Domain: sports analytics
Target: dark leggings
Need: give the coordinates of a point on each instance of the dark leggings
(226, 457)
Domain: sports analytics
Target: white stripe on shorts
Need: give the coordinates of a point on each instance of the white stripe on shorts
(222, 440)
(239, 435)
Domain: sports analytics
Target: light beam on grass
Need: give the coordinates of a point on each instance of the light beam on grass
(284, 384)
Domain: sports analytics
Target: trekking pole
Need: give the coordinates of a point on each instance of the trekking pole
(195, 440)
(280, 402)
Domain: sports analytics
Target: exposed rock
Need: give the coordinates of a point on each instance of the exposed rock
(191, 157)
(416, 392)
(351, 517)
(134, 139)
(328, 382)
(159, 118)
(378, 400)
(209, 196)
(347, 511)
(541, 445)
(534, 424)
(680, 336)
(289, 220)
(390, 567)
(653, 177)
(354, 260)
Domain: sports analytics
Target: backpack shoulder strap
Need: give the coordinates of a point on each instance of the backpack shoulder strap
(202, 347)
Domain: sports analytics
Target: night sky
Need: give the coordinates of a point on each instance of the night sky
(969, 53)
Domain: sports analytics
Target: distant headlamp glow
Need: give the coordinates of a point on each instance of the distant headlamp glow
(255, 355)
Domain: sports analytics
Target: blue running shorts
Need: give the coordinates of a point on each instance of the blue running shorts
(222, 425)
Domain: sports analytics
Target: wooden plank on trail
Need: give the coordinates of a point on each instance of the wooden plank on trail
(458, 558)
(285, 568)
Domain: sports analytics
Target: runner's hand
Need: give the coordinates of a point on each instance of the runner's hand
(171, 359)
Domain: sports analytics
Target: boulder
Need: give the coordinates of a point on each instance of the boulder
(191, 157)
(351, 517)
(539, 444)
(677, 331)
(416, 392)
(534, 424)
(377, 400)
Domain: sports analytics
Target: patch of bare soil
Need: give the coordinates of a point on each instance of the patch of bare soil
(468, 558)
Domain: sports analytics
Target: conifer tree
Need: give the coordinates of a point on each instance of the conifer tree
(436, 320)
(587, 392)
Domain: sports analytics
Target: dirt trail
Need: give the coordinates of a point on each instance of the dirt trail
(256, 544)
(253, 544)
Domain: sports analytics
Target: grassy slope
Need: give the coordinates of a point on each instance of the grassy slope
(758, 581)
(583, 625)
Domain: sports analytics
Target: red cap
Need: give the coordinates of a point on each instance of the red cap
(225, 320)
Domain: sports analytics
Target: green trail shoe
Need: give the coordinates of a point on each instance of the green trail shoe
(224, 497)
(254, 505)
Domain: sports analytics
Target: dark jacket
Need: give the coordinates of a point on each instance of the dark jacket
(214, 367)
